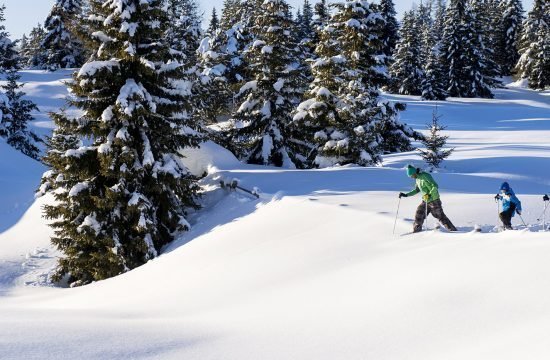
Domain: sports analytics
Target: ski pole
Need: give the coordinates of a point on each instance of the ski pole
(396, 215)
(426, 213)
(524, 224)
(544, 216)
(497, 201)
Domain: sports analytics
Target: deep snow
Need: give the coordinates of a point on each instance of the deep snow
(311, 270)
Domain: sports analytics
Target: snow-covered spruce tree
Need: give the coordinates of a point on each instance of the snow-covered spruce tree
(424, 26)
(261, 130)
(463, 53)
(512, 19)
(317, 116)
(63, 139)
(306, 37)
(223, 65)
(490, 14)
(229, 14)
(435, 152)
(434, 81)
(391, 27)
(481, 21)
(184, 33)
(406, 70)
(123, 193)
(63, 49)
(341, 115)
(16, 114)
(306, 25)
(528, 44)
(321, 15)
(438, 19)
(9, 57)
(214, 23)
(35, 57)
(22, 46)
(539, 78)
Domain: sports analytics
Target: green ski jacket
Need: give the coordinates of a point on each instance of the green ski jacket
(427, 185)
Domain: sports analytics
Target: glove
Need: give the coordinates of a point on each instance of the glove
(497, 197)
(426, 197)
(402, 195)
(519, 212)
(545, 198)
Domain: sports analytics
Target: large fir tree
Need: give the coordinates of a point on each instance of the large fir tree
(184, 33)
(389, 34)
(483, 43)
(229, 15)
(406, 71)
(342, 117)
(532, 44)
(262, 133)
(123, 192)
(464, 53)
(62, 48)
(539, 77)
(512, 19)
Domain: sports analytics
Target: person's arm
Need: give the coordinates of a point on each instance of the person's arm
(518, 203)
(413, 192)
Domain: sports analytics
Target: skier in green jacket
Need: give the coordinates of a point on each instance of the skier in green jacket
(430, 196)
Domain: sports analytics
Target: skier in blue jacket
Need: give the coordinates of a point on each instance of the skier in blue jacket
(510, 205)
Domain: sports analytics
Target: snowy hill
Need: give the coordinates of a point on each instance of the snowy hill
(311, 270)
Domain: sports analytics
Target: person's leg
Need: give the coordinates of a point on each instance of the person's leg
(419, 217)
(436, 208)
(506, 218)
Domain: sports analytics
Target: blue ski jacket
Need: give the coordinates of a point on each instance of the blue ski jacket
(508, 198)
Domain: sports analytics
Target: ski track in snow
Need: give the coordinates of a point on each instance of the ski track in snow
(311, 270)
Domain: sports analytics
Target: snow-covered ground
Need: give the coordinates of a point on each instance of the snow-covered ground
(311, 270)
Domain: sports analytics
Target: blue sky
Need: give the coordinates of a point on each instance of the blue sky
(22, 15)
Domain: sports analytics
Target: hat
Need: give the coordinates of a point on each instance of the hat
(411, 170)
(505, 187)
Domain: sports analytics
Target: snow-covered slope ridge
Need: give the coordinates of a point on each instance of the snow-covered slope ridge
(311, 270)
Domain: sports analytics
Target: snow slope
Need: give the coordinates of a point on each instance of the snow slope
(311, 270)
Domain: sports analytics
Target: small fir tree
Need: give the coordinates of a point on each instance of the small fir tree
(123, 192)
(435, 152)
(23, 45)
(33, 53)
(214, 23)
(16, 115)
(9, 57)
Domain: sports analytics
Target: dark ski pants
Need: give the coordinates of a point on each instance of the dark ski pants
(436, 209)
(506, 217)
